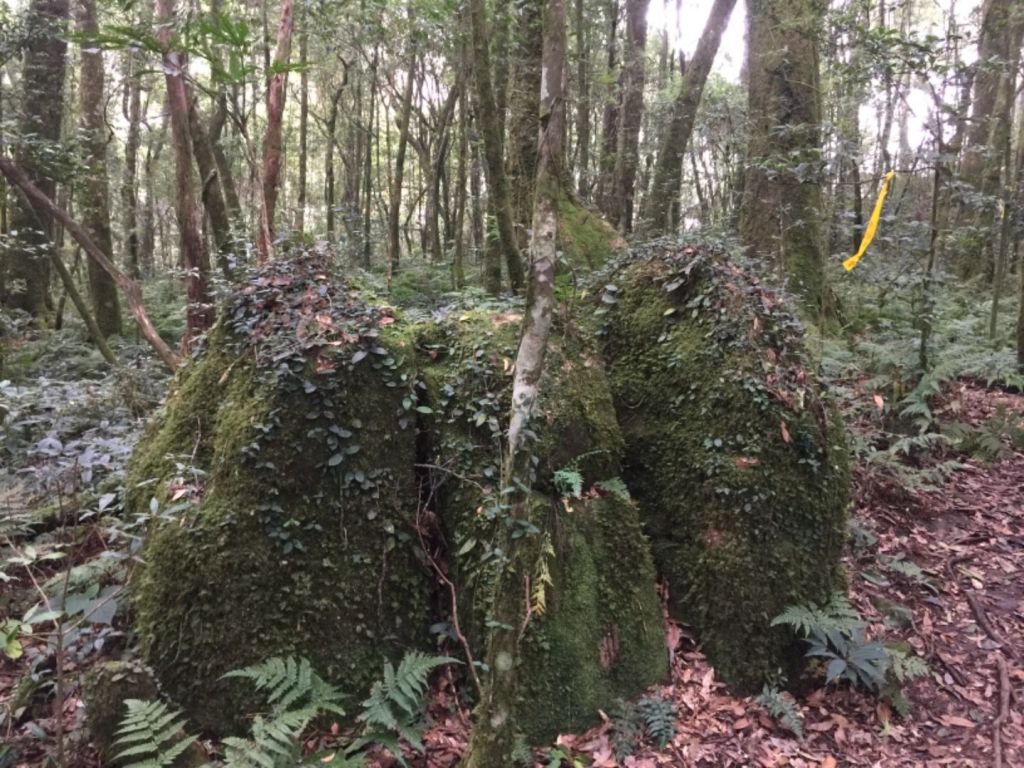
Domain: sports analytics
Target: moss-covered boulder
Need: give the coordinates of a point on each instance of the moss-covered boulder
(105, 688)
(733, 452)
(594, 632)
(284, 470)
(587, 240)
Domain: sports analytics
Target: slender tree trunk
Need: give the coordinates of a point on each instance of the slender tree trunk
(130, 179)
(459, 257)
(273, 139)
(300, 202)
(627, 157)
(668, 167)
(211, 189)
(332, 125)
(582, 101)
(196, 259)
(395, 201)
(94, 192)
(131, 290)
(26, 278)
(491, 742)
(488, 119)
(368, 172)
(610, 116)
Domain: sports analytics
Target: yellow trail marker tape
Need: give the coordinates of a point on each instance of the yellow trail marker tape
(869, 233)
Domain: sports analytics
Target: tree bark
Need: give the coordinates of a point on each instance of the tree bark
(492, 740)
(199, 314)
(211, 189)
(26, 279)
(130, 178)
(94, 193)
(300, 202)
(488, 120)
(582, 102)
(668, 166)
(610, 116)
(780, 216)
(395, 198)
(523, 121)
(631, 115)
(273, 139)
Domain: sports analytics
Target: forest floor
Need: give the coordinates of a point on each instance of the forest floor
(939, 568)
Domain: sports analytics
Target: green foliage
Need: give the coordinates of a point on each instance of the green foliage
(835, 633)
(569, 482)
(836, 615)
(394, 708)
(151, 735)
(658, 715)
(783, 709)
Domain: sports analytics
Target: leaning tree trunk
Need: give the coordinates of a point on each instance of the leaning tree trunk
(211, 188)
(273, 140)
(630, 115)
(780, 216)
(668, 167)
(199, 313)
(492, 740)
(26, 264)
(489, 121)
(94, 194)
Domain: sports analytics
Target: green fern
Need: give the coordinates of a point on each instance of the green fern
(569, 482)
(296, 695)
(151, 735)
(659, 719)
(836, 615)
(782, 709)
(395, 706)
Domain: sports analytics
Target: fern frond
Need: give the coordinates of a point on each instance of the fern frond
(835, 615)
(151, 735)
(659, 719)
(782, 709)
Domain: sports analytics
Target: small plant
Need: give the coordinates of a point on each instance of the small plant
(834, 632)
(151, 735)
(658, 716)
(782, 709)
(395, 706)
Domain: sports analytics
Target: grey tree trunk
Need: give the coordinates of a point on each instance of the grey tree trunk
(627, 156)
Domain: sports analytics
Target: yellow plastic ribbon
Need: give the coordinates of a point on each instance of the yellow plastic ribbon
(869, 233)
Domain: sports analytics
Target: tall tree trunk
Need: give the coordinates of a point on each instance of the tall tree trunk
(27, 263)
(211, 189)
(300, 202)
(668, 167)
(488, 119)
(459, 256)
(627, 156)
(395, 198)
(610, 115)
(524, 98)
(147, 223)
(199, 313)
(368, 171)
(94, 192)
(130, 178)
(331, 128)
(582, 102)
(999, 50)
(492, 740)
(273, 139)
(780, 217)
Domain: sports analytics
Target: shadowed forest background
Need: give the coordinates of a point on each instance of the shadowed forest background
(511, 382)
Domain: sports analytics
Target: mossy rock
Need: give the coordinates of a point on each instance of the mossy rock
(284, 466)
(596, 633)
(586, 240)
(733, 451)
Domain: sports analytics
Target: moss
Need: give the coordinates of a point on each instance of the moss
(736, 458)
(301, 539)
(587, 241)
(600, 637)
